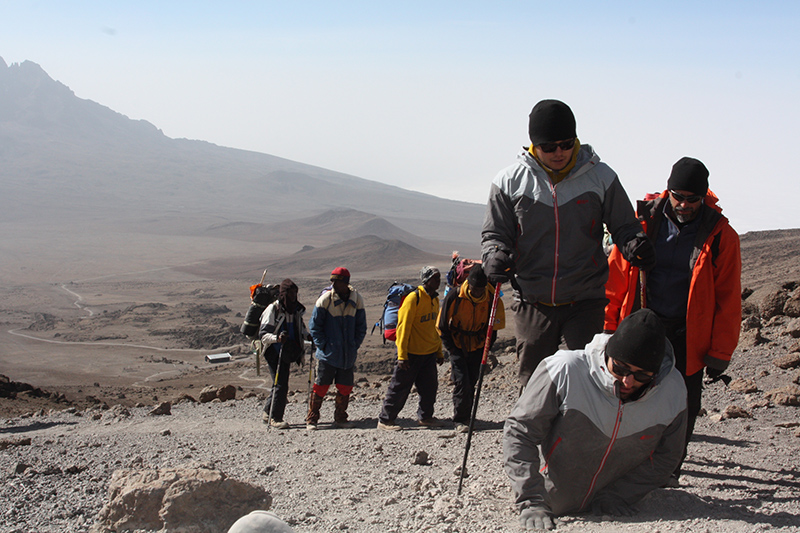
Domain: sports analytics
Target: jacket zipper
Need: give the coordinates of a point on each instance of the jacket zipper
(611, 442)
(555, 253)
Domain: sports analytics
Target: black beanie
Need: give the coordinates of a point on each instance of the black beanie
(689, 174)
(640, 340)
(477, 277)
(550, 121)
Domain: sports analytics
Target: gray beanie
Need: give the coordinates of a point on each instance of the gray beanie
(427, 273)
(640, 340)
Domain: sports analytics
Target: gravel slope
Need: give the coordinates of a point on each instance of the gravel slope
(741, 475)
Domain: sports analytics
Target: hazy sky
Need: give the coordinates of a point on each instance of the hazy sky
(434, 96)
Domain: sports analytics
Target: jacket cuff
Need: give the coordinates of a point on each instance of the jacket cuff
(713, 362)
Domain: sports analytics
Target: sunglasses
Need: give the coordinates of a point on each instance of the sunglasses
(549, 148)
(621, 371)
(691, 199)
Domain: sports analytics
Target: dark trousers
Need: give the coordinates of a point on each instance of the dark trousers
(541, 328)
(281, 388)
(422, 373)
(676, 333)
(465, 370)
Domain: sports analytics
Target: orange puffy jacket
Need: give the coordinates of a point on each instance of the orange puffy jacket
(714, 312)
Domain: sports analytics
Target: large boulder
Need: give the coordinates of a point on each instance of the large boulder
(190, 499)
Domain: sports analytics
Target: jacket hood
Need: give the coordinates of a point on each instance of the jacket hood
(596, 358)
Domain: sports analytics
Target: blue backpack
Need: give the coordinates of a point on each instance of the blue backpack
(394, 299)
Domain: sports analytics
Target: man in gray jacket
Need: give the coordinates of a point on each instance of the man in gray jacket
(609, 422)
(543, 231)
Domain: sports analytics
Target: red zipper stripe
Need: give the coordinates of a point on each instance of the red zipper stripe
(617, 424)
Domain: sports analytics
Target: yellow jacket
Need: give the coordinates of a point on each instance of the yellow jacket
(416, 326)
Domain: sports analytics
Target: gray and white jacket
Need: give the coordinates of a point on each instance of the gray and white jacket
(590, 441)
(554, 233)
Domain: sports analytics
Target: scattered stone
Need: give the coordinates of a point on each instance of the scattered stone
(166, 433)
(20, 468)
(751, 338)
(117, 412)
(734, 411)
(787, 361)
(743, 385)
(792, 306)
(228, 392)
(788, 424)
(223, 394)
(751, 322)
(194, 499)
(7, 443)
(164, 408)
(770, 300)
(793, 328)
(421, 458)
(184, 398)
(788, 395)
(208, 394)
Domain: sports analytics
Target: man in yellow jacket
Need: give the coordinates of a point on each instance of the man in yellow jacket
(463, 323)
(419, 350)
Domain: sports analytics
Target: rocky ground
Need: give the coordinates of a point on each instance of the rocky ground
(102, 355)
(741, 474)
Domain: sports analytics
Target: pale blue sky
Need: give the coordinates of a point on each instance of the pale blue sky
(434, 96)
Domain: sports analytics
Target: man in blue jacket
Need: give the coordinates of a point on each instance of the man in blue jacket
(338, 326)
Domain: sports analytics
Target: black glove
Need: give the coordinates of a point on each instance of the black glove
(403, 365)
(538, 517)
(640, 252)
(605, 504)
(499, 267)
(714, 373)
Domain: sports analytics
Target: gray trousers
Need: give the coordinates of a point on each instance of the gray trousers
(541, 329)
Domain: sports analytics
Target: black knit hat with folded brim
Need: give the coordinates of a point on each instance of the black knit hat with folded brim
(640, 340)
(688, 174)
(551, 121)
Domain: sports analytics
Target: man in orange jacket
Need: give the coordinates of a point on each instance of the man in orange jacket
(463, 324)
(695, 286)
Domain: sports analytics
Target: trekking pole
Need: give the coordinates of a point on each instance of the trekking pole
(274, 386)
(486, 345)
(643, 288)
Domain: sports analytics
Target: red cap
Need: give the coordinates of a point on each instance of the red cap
(340, 273)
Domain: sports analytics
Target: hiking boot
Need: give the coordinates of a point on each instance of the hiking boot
(461, 428)
(672, 482)
(388, 426)
(314, 405)
(279, 424)
(340, 412)
(431, 422)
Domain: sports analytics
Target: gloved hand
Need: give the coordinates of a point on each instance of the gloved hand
(640, 252)
(537, 517)
(403, 365)
(605, 504)
(440, 361)
(714, 373)
(499, 267)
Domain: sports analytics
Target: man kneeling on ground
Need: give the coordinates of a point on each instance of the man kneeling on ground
(609, 421)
